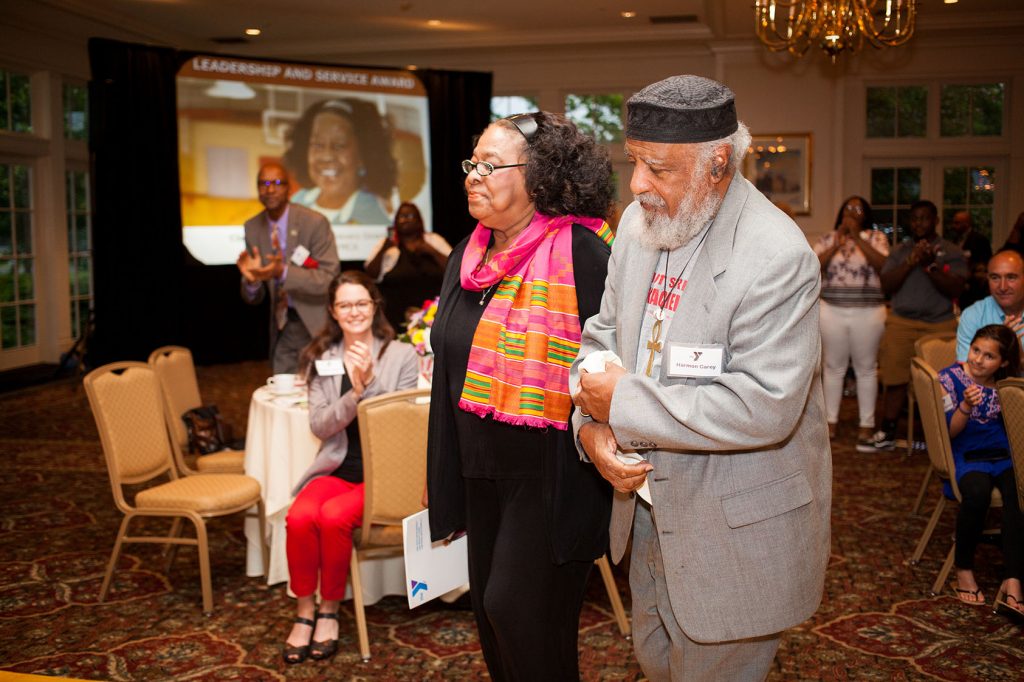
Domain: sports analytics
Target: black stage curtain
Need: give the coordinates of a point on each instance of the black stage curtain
(148, 290)
(460, 108)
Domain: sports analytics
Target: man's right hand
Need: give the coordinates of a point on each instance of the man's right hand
(246, 263)
(599, 442)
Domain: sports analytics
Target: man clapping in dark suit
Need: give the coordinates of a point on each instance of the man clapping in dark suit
(290, 252)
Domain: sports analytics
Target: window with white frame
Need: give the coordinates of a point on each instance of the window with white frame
(935, 118)
(79, 216)
(507, 105)
(15, 102)
(17, 258)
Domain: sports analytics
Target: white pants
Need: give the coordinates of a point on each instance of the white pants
(847, 334)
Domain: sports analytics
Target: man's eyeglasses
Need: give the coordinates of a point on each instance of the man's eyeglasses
(483, 169)
(363, 306)
(270, 184)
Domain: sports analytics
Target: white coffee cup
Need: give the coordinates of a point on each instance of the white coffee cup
(282, 383)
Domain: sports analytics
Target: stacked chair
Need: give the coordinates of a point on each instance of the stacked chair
(177, 373)
(127, 403)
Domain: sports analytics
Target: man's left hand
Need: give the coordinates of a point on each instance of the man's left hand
(272, 270)
(596, 389)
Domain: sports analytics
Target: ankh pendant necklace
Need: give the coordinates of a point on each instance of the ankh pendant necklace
(654, 345)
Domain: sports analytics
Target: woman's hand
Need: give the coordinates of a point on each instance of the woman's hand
(359, 365)
(849, 227)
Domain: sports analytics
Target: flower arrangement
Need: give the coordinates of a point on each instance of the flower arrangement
(417, 330)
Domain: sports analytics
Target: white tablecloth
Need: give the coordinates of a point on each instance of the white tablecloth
(279, 447)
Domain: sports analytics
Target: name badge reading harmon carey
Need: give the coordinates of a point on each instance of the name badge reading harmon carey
(695, 360)
(330, 368)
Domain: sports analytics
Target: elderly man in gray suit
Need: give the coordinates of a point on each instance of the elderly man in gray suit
(711, 305)
(290, 252)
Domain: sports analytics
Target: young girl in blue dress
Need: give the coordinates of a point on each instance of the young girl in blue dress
(981, 453)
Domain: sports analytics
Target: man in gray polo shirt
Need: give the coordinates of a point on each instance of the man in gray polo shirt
(922, 276)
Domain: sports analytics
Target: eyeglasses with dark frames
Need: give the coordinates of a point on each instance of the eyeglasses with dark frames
(483, 168)
(364, 306)
(271, 184)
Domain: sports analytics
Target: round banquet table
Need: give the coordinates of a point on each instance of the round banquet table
(279, 447)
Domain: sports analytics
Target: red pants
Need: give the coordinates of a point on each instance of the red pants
(320, 524)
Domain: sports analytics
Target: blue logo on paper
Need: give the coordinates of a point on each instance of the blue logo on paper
(418, 587)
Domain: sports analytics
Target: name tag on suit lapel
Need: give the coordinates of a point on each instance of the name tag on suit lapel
(330, 368)
(299, 255)
(690, 360)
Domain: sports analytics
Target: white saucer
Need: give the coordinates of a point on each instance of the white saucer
(282, 394)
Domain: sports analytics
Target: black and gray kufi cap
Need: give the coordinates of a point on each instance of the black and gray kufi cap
(681, 109)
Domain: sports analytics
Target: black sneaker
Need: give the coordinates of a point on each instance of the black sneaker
(879, 441)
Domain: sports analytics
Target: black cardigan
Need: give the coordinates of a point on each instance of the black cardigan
(577, 500)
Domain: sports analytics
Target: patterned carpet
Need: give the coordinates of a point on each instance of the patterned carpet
(57, 524)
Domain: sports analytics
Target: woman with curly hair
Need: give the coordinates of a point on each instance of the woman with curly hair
(340, 153)
(502, 465)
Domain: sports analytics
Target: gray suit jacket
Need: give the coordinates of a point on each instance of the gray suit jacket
(742, 468)
(307, 287)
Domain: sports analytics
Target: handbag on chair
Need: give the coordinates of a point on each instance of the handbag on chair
(208, 432)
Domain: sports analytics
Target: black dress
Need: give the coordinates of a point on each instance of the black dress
(415, 278)
(537, 516)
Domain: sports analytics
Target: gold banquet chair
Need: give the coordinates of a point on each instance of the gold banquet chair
(940, 452)
(177, 373)
(1011, 397)
(939, 351)
(393, 433)
(128, 408)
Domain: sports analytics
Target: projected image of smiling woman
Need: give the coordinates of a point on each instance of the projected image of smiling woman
(340, 154)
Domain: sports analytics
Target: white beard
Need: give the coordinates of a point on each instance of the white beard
(665, 232)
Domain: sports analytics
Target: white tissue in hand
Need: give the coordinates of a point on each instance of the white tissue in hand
(594, 362)
(643, 491)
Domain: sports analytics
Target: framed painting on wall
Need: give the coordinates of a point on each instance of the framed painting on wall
(780, 166)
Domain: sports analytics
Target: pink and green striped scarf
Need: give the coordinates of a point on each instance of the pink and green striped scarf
(529, 333)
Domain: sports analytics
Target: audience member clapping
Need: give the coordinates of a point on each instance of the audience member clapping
(982, 459)
(852, 309)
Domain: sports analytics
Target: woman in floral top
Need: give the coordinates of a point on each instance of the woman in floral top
(852, 309)
(981, 457)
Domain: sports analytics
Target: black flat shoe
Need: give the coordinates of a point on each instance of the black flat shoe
(297, 654)
(320, 651)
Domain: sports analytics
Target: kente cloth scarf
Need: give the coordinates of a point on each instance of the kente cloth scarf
(529, 334)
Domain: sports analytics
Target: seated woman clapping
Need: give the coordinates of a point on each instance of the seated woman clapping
(352, 359)
(981, 455)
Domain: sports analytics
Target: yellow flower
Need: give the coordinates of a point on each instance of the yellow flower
(416, 337)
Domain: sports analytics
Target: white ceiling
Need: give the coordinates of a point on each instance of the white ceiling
(317, 28)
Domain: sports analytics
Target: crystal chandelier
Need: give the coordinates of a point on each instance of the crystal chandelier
(834, 25)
